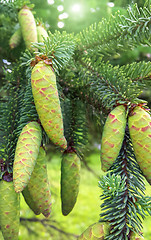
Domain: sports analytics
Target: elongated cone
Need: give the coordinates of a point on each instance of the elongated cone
(15, 39)
(70, 179)
(28, 26)
(38, 186)
(112, 137)
(140, 132)
(44, 88)
(30, 201)
(26, 153)
(95, 231)
(42, 33)
(9, 211)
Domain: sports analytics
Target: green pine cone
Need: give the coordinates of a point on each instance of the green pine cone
(41, 33)
(112, 137)
(70, 179)
(28, 26)
(15, 39)
(26, 153)
(30, 202)
(95, 231)
(139, 123)
(45, 93)
(38, 186)
(9, 211)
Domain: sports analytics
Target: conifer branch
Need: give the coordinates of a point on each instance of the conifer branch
(47, 224)
(118, 33)
(9, 106)
(138, 71)
(75, 122)
(58, 47)
(103, 85)
(123, 191)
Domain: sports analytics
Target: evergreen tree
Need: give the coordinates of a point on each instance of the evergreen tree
(47, 94)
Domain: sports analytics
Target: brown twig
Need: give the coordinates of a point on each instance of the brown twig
(48, 223)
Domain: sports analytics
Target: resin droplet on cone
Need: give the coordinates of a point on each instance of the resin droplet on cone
(45, 93)
(70, 180)
(95, 231)
(9, 211)
(139, 123)
(28, 26)
(26, 153)
(38, 186)
(112, 137)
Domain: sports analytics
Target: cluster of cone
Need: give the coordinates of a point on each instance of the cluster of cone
(139, 123)
(29, 167)
(29, 177)
(28, 30)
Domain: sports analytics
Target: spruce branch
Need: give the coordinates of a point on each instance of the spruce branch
(103, 85)
(58, 47)
(75, 122)
(138, 72)
(9, 106)
(125, 203)
(27, 110)
(117, 34)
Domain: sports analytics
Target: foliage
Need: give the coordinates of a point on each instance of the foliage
(89, 84)
(124, 185)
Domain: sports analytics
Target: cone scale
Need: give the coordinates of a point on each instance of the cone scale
(70, 179)
(38, 189)
(139, 123)
(28, 26)
(9, 211)
(26, 153)
(112, 137)
(45, 93)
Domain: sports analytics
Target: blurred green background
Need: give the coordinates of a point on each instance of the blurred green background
(72, 16)
(85, 212)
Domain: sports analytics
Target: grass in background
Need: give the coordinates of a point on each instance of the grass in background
(85, 212)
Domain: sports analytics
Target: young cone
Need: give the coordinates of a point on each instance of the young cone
(15, 39)
(28, 26)
(30, 202)
(95, 231)
(139, 123)
(45, 93)
(26, 153)
(9, 211)
(112, 137)
(38, 186)
(42, 33)
(70, 179)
